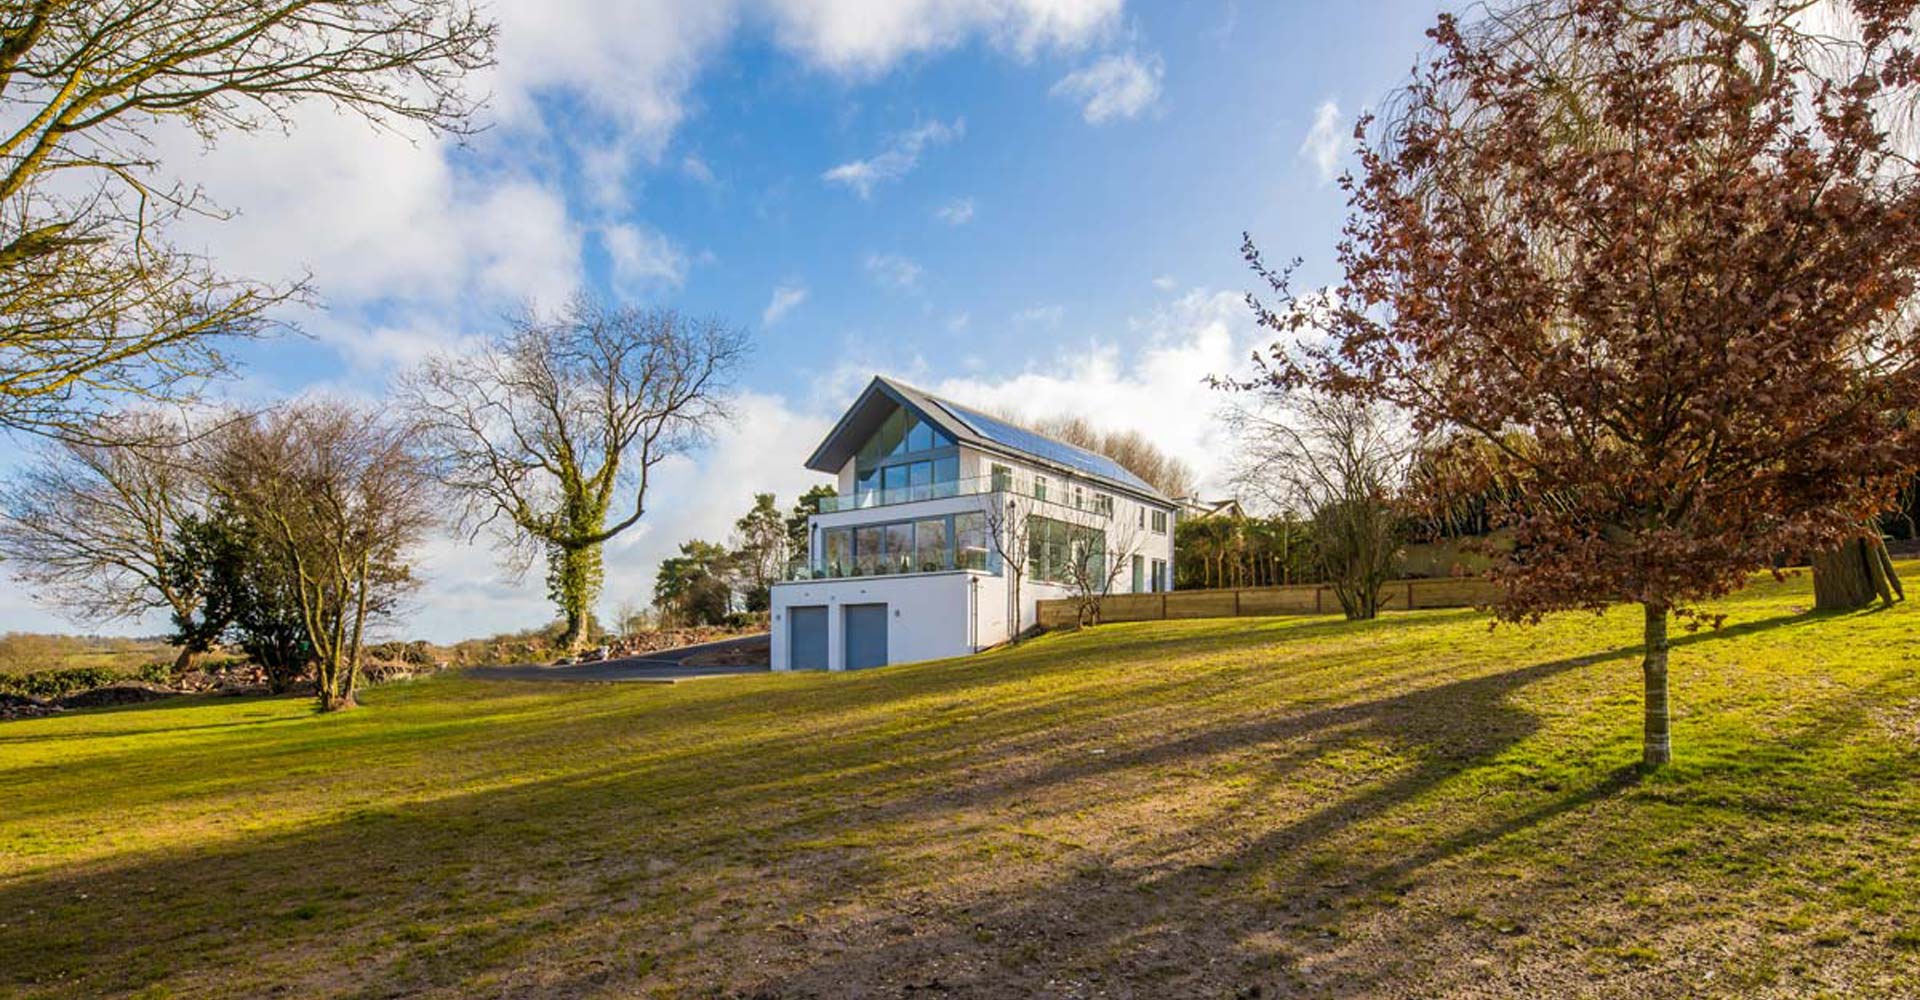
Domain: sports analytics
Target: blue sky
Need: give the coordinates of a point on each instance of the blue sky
(1029, 204)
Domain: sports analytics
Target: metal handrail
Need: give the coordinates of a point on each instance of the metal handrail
(973, 486)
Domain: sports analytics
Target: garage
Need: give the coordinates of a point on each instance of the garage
(807, 637)
(866, 626)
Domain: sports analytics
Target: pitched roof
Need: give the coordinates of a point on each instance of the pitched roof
(970, 427)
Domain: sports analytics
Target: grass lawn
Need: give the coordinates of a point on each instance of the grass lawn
(1409, 807)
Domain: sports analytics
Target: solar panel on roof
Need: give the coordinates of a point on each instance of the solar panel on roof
(1058, 452)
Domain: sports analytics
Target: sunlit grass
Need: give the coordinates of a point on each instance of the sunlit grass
(1410, 805)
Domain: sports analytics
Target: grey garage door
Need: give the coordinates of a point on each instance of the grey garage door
(807, 637)
(866, 635)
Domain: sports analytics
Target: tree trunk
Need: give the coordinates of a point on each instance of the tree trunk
(1853, 575)
(183, 662)
(1013, 606)
(1657, 747)
(574, 579)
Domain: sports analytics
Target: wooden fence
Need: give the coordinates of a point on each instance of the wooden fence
(1299, 599)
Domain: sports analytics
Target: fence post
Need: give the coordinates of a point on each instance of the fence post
(1236, 603)
(1410, 604)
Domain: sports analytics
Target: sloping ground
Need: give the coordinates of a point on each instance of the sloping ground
(1411, 807)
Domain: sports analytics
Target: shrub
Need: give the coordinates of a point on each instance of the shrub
(57, 683)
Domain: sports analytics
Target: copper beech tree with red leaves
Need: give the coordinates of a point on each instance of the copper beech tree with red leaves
(1667, 326)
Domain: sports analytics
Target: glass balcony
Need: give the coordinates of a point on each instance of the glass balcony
(1013, 484)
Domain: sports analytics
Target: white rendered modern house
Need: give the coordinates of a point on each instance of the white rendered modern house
(910, 560)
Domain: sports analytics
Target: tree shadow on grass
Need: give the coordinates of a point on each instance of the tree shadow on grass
(1155, 928)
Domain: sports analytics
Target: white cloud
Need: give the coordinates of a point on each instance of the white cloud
(957, 212)
(631, 63)
(376, 214)
(642, 256)
(785, 299)
(401, 342)
(1322, 145)
(1159, 390)
(899, 158)
(697, 169)
(864, 37)
(1165, 282)
(1042, 315)
(1120, 85)
(894, 270)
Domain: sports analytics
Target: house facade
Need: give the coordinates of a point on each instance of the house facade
(941, 508)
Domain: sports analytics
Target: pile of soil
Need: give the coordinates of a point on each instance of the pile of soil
(129, 693)
(671, 638)
(378, 671)
(242, 678)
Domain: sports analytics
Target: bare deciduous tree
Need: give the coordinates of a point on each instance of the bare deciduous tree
(1338, 463)
(1010, 521)
(542, 429)
(341, 494)
(89, 525)
(1097, 558)
(1130, 448)
(95, 303)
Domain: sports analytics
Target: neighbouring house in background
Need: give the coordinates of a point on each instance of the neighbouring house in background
(1194, 508)
(904, 564)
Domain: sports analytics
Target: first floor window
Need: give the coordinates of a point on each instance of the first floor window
(1159, 522)
(893, 484)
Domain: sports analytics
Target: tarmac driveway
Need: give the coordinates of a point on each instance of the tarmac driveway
(660, 667)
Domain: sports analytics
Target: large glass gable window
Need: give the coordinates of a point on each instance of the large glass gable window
(906, 459)
(901, 434)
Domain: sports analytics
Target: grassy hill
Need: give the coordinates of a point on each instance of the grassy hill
(1413, 806)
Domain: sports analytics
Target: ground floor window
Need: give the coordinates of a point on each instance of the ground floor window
(1056, 548)
(972, 548)
(930, 545)
(867, 550)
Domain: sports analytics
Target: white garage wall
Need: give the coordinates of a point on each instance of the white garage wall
(929, 615)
